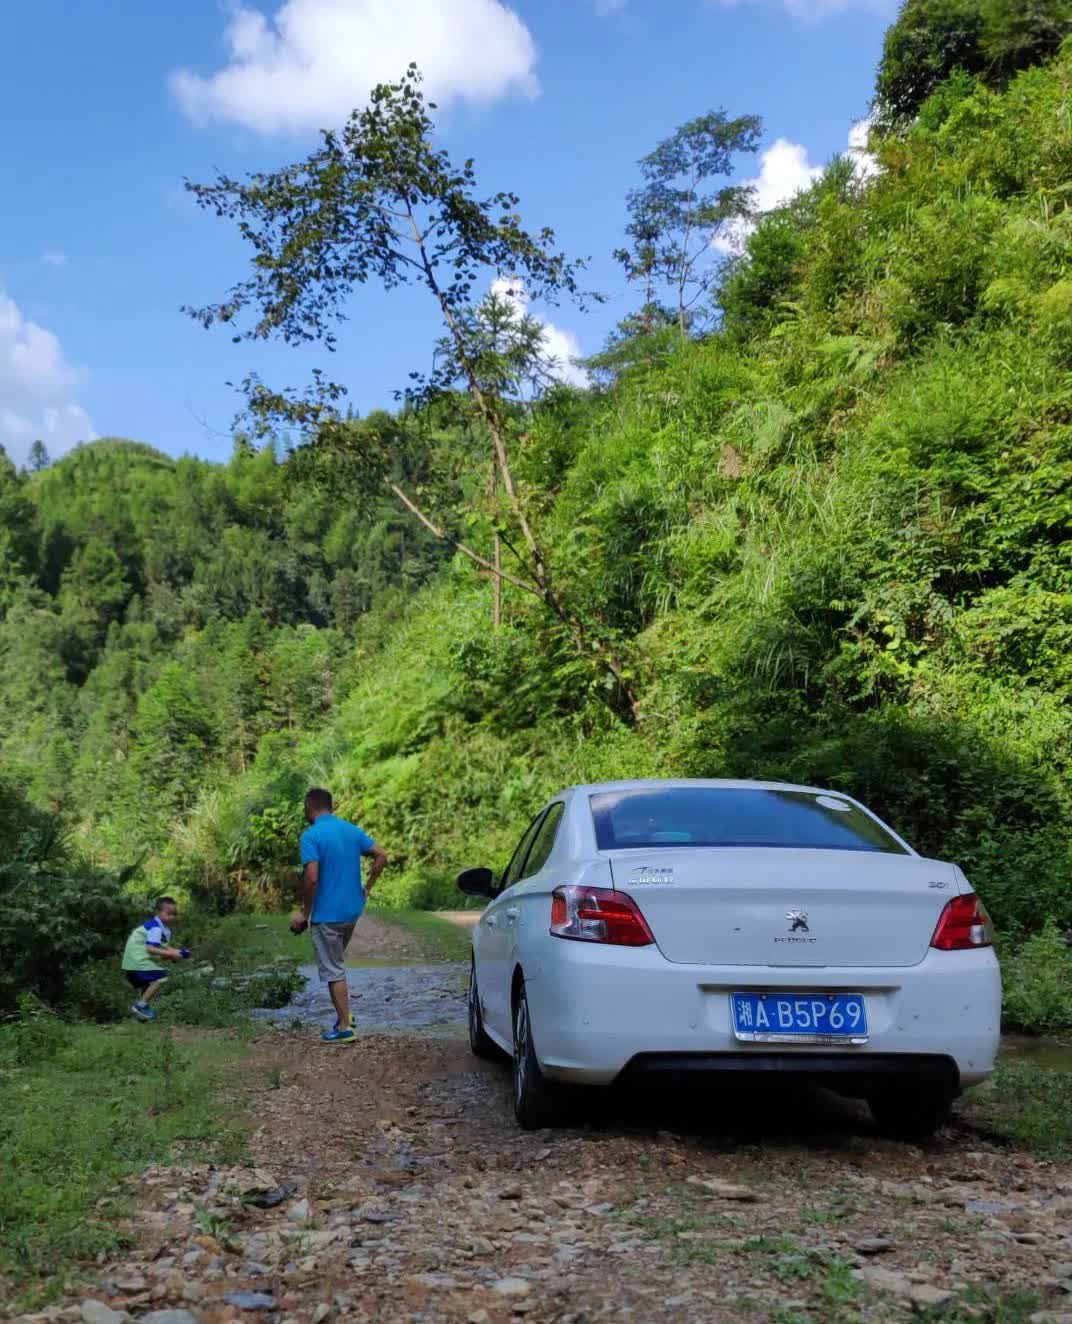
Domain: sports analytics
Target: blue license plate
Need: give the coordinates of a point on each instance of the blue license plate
(799, 1018)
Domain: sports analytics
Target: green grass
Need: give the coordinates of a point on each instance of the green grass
(440, 939)
(1026, 1104)
(81, 1108)
(1017, 1307)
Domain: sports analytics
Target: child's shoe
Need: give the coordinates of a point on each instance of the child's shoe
(337, 1036)
(143, 1011)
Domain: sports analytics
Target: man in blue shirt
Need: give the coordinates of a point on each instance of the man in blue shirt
(331, 851)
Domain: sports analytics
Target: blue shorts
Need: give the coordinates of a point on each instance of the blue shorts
(143, 978)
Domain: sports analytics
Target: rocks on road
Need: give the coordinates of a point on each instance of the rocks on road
(383, 998)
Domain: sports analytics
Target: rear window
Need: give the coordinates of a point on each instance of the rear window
(717, 816)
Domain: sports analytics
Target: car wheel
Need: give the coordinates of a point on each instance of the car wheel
(535, 1098)
(480, 1041)
(910, 1114)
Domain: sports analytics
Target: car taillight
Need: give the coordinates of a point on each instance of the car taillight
(598, 914)
(963, 923)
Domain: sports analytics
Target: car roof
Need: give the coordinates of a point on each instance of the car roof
(713, 783)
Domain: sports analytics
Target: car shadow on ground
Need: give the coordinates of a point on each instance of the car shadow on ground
(735, 1114)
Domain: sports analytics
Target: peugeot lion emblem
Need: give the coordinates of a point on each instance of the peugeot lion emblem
(798, 921)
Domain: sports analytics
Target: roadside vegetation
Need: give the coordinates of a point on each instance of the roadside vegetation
(84, 1108)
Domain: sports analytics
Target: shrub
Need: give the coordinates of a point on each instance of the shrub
(98, 992)
(1037, 981)
(57, 912)
(31, 1035)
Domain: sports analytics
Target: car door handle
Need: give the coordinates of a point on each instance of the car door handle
(512, 912)
(491, 921)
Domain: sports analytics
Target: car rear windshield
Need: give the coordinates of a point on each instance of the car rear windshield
(726, 816)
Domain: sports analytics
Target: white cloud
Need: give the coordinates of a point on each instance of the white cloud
(36, 386)
(786, 171)
(559, 345)
(309, 65)
(54, 258)
(866, 165)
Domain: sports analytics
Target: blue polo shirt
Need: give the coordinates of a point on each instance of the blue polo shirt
(337, 846)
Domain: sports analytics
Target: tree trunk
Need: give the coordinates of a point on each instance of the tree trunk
(498, 582)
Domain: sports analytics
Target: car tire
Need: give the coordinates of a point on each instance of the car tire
(480, 1041)
(915, 1114)
(536, 1099)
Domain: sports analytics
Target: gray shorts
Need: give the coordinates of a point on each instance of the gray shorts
(330, 942)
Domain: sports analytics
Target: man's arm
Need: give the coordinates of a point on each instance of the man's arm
(310, 859)
(310, 882)
(378, 856)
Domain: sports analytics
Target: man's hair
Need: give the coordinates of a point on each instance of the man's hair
(162, 901)
(317, 798)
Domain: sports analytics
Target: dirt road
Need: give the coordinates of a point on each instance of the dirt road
(388, 1183)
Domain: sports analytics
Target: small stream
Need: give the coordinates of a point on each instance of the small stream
(1041, 1051)
(383, 997)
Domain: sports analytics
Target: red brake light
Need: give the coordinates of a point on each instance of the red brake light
(963, 923)
(598, 914)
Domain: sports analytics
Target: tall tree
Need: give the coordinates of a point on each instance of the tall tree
(19, 531)
(377, 201)
(676, 216)
(990, 39)
(39, 457)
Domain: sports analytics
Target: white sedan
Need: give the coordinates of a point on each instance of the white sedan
(672, 929)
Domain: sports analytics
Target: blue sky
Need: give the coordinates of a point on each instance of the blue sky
(110, 105)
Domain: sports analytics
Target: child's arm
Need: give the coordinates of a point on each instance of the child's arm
(169, 953)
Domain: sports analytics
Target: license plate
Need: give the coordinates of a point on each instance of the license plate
(811, 1018)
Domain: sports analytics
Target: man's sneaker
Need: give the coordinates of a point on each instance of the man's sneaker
(353, 1023)
(337, 1036)
(143, 1011)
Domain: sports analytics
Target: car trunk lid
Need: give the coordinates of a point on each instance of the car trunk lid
(756, 906)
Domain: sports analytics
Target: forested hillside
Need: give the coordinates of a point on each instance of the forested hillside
(828, 542)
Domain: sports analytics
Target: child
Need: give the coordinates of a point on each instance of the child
(145, 948)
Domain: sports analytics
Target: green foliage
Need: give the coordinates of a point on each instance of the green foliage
(929, 40)
(992, 39)
(18, 550)
(57, 912)
(162, 618)
(1038, 982)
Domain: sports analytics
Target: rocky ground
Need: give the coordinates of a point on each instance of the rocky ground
(388, 1182)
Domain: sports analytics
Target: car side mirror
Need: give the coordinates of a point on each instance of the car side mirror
(477, 882)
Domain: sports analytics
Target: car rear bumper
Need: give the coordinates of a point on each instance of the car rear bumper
(598, 1010)
(857, 1074)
